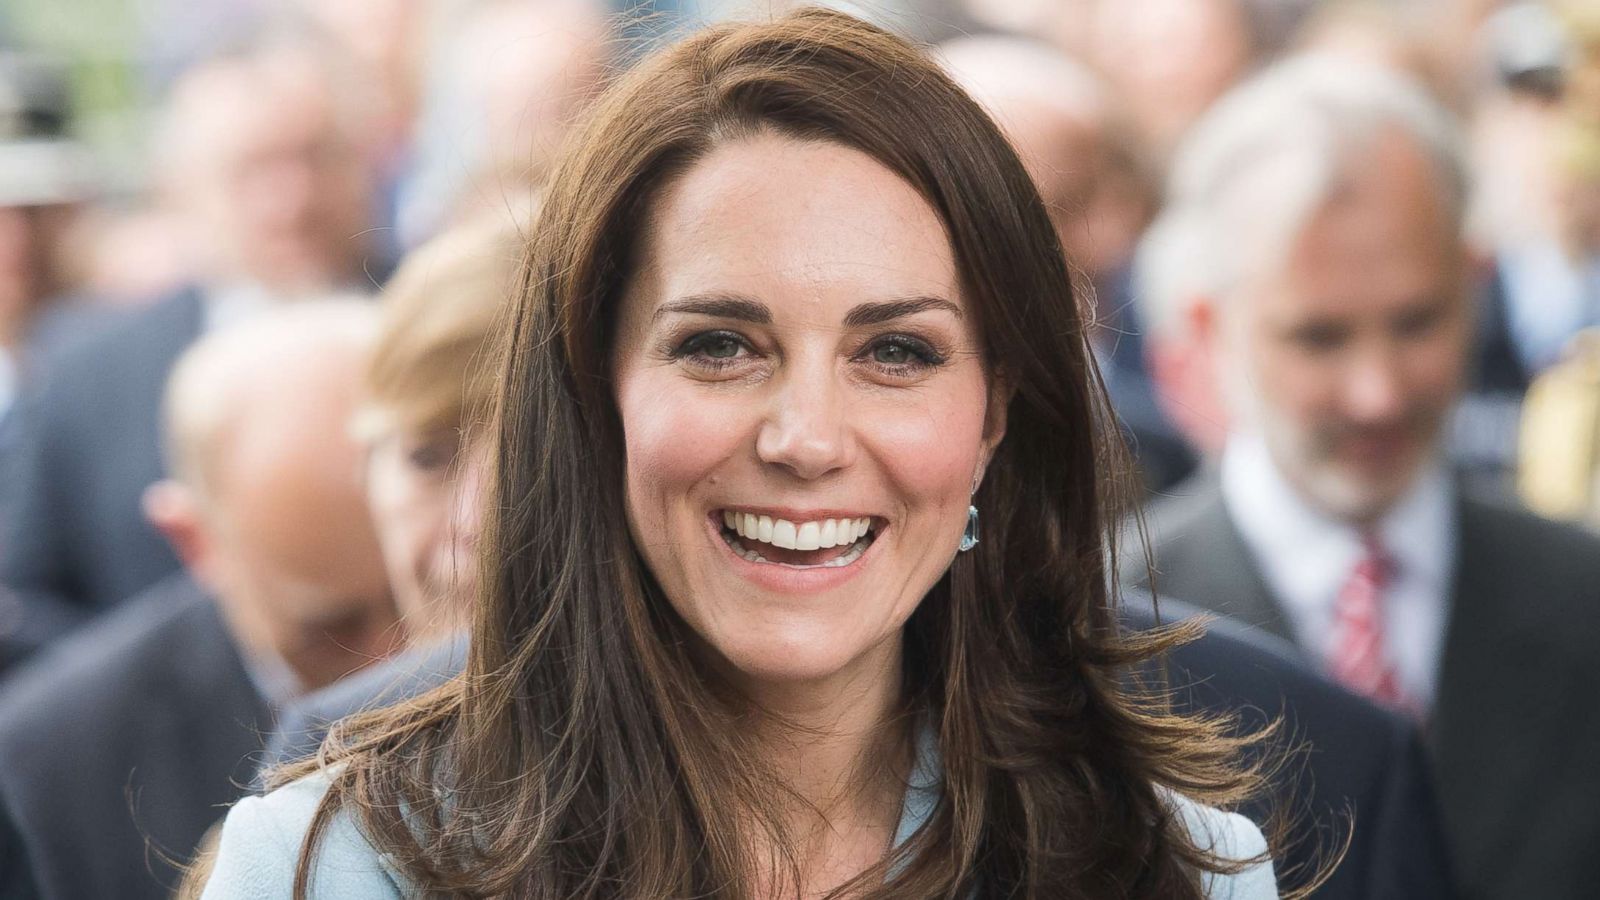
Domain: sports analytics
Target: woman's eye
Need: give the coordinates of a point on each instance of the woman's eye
(713, 349)
(892, 354)
(903, 353)
(720, 348)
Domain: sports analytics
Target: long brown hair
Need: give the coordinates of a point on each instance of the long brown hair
(585, 752)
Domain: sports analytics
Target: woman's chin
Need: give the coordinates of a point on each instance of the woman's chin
(796, 658)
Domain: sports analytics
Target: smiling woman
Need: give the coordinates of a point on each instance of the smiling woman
(825, 379)
(795, 316)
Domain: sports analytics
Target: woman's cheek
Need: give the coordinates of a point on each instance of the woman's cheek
(931, 447)
(676, 431)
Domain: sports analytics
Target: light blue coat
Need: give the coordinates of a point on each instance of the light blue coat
(261, 840)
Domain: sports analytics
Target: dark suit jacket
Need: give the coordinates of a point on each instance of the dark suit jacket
(304, 723)
(1515, 729)
(16, 875)
(121, 745)
(82, 449)
(1497, 367)
(1344, 755)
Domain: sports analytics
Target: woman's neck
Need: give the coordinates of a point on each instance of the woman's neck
(841, 748)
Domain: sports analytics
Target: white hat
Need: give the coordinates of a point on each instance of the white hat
(40, 163)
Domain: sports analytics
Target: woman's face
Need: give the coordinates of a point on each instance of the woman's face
(803, 399)
(419, 489)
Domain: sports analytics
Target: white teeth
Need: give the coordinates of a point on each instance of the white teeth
(809, 537)
(746, 552)
(848, 557)
(816, 535)
(784, 534)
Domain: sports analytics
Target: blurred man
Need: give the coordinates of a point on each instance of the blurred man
(43, 179)
(1101, 194)
(427, 387)
(120, 746)
(1089, 174)
(1535, 134)
(1510, 225)
(381, 44)
(258, 155)
(511, 77)
(1169, 60)
(1310, 301)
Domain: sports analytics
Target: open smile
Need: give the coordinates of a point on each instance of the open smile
(821, 543)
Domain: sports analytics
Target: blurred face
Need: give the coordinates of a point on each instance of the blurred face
(1096, 202)
(292, 552)
(800, 384)
(420, 490)
(276, 184)
(1171, 58)
(1354, 347)
(326, 612)
(1063, 155)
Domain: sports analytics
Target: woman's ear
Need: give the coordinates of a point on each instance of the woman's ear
(994, 421)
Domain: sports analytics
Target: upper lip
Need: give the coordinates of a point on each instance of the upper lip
(798, 515)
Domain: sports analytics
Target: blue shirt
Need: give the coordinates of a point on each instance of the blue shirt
(261, 838)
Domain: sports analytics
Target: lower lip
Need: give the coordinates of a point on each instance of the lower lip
(788, 579)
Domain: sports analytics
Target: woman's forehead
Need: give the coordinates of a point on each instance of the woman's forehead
(785, 220)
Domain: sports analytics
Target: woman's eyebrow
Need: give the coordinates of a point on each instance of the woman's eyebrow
(744, 309)
(877, 313)
(721, 306)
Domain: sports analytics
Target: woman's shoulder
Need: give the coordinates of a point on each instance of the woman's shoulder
(1231, 837)
(259, 851)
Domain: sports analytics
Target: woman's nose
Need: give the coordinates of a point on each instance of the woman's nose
(807, 430)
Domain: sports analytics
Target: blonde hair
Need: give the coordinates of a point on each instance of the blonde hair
(427, 372)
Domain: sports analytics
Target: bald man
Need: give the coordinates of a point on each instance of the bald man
(258, 157)
(121, 745)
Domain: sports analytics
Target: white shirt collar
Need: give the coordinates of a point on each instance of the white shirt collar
(1306, 556)
(230, 304)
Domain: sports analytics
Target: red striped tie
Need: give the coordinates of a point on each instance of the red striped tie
(1358, 660)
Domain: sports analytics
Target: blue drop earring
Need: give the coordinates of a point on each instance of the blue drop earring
(969, 538)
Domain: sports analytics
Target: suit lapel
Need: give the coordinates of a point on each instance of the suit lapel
(1201, 558)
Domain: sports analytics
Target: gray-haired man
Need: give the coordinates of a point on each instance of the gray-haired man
(1312, 321)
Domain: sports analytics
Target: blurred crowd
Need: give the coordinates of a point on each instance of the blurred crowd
(228, 480)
